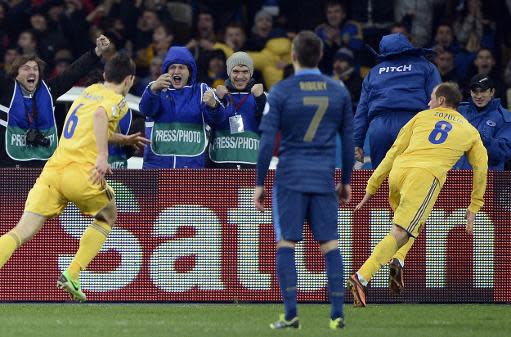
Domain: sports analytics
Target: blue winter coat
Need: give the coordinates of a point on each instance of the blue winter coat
(177, 105)
(401, 84)
(494, 125)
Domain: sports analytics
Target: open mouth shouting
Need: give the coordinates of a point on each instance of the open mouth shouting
(177, 81)
(179, 75)
(31, 80)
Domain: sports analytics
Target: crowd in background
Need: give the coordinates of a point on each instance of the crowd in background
(469, 37)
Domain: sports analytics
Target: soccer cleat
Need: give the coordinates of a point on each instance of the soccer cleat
(337, 323)
(66, 283)
(396, 281)
(283, 324)
(358, 290)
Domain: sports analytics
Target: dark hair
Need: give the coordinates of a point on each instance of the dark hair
(235, 25)
(307, 47)
(166, 27)
(21, 60)
(28, 31)
(118, 68)
(288, 71)
(399, 25)
(451, 92)
(334, 3)
(444, 23)
(485, 49)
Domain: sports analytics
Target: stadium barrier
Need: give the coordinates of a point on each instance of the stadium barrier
(194, 235)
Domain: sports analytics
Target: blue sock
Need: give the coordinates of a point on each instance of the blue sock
(286, 272)
(335, 274)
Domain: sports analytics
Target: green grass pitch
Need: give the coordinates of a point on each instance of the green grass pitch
(225, 320)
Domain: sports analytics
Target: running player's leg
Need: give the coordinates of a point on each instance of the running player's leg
(97, 201)
(416, 201)
(26, 228)
(44, 201)
(323, 222)
(288, 211)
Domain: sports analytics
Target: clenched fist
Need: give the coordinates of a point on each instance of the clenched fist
(221, 91)
(163, 82)
(257, 90)
(209, 99)
(102, 44)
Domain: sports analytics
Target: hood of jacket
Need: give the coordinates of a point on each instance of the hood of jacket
(397, 44)
(181, 55)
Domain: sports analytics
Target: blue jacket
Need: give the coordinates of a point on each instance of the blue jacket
(177, 105)
(401, 83)
(494, 125)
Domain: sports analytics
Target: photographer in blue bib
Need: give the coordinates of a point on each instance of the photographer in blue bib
(178, 109)
(28, 131)
(235, 142)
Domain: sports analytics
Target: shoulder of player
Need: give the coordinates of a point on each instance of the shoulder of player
(110, 101)
(281, 86)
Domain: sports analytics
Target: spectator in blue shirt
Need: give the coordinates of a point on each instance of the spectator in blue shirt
(337, 32)
(392, 93)
(177, 109)
(235, 142)
(492, 121)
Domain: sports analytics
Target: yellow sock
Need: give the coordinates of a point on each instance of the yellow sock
(9, 242)
(380, 255)
(403, 251)
(90, 244)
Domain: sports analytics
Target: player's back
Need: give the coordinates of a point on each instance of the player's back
(78, 142)
(439, 138)
(313, 109)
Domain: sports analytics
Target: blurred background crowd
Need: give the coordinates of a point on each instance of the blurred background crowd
(469, 36)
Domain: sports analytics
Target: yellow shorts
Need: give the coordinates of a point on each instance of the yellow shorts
(412, 195)
(56, 186)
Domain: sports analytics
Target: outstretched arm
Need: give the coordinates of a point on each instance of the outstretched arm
(78, 69)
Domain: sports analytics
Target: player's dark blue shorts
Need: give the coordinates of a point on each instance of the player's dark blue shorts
(290, 208)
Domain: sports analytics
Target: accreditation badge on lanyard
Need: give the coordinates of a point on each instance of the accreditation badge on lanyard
(236, 121)
(236, 124)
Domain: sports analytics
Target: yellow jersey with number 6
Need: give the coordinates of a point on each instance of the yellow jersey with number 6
(78, 142)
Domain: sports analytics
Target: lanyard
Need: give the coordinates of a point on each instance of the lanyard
(240, 103)
(31, 116)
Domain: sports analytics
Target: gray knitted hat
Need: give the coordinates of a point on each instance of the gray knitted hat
(240, 58)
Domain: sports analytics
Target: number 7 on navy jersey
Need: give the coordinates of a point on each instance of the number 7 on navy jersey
(321, 102)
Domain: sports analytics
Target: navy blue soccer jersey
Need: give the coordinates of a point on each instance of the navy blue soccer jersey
(309, 109)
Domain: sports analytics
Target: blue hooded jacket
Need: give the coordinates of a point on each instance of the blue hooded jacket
(401, 84)
(494, 125)
(177, 105)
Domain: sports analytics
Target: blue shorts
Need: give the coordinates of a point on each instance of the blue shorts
(290, 208)
(383, 131)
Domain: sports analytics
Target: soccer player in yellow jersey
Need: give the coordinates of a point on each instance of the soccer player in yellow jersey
(417, 165)
(75, 173)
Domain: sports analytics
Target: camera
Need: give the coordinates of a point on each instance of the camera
(36, 138)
